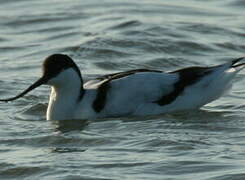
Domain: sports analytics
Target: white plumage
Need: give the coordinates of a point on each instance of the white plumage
(131, 93)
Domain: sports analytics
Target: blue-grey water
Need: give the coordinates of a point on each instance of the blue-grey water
(105, 36)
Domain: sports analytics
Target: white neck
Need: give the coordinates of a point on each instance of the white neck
(65, 92)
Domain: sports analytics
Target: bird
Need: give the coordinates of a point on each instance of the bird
(138, 92)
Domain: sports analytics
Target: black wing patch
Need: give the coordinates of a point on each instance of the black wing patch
(188, 76)
(100, 100)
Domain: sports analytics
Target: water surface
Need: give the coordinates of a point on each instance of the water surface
(109, 36)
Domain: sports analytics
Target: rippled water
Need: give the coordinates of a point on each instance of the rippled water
(108, 36)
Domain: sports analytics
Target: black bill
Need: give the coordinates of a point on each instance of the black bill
(38, 83)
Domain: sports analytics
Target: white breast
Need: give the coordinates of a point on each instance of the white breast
(66, 89)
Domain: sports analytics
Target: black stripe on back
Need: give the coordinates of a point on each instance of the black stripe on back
(118, 75)
(187, 77)
(100, 100)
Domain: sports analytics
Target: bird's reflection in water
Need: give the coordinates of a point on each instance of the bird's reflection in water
(70, 125)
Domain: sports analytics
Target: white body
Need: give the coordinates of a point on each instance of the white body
(134, 94)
